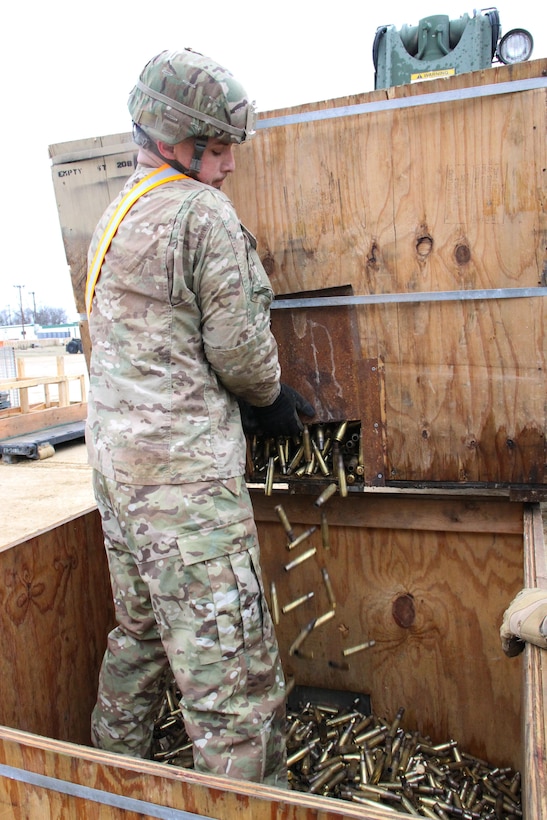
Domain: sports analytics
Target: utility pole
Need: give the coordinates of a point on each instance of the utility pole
(34, 303)
(23, 332)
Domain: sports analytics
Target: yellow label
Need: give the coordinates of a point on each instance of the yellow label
(432, 75)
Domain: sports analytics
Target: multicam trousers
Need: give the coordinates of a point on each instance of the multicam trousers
(188, 594)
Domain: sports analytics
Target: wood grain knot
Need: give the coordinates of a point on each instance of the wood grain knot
(268, 263)
(424, 245)
(462, 254)
(403, 611)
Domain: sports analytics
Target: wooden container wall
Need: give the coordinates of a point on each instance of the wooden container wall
(431, 198)
(459, 560)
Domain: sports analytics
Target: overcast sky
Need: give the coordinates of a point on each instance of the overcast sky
(69, 67)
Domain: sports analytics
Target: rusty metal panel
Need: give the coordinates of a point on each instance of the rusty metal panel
(320, 355)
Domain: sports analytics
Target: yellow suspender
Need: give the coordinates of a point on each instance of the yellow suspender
(157, 177)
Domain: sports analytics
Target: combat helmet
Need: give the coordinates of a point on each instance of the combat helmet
(183, 94)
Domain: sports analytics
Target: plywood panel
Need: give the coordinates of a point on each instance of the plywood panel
(431, 599)
(56, 610)
(443, 197)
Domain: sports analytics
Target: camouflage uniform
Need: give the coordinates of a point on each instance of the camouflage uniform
(179, 326)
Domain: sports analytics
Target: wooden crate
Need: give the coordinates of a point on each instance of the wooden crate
(428, 209)
(460, 560)
(436, 197)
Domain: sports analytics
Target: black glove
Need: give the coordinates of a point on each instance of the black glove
(281, 417)
(249, 421)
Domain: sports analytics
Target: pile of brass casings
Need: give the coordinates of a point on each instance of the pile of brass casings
(170, 741)
(352, 756)
(349, 755)
(325, 451)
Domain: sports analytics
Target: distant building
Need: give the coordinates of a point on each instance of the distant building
(70, 330)
(30, 332)
(17, 333)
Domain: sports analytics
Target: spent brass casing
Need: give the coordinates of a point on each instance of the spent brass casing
(297, 602)
(325, 531)
(319, 459)
(300, 638)
(352, 650)
(301, 558)
(275, 603)
(311, 465)
(296, 459)
(320, 436)
(328, 587)
(340, 432)
(341, 473)
(326, 494)
(396, 722)
(306, 442)
(341, 720)
(281, 444)
(285, 521)
(268, 484)
(300, 754)
(325, 450)
(300, 538)
(322, 619)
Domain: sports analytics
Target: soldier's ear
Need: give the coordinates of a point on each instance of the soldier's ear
(166, 150)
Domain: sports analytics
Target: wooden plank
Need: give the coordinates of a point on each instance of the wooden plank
(165, 786)
(534, 716)
(35, 420)
(417, 512)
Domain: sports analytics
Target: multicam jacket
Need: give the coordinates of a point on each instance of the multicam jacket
(179, 327)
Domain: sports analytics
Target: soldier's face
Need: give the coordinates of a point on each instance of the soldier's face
(216, 163)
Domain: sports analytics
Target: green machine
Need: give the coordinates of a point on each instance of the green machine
(440, 47)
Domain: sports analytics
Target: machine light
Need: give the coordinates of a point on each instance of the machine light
(516, 46)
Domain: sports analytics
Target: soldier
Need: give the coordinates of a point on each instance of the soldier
(178, 306)
(525, 620)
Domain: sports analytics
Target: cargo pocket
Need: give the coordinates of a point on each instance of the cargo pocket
(237, 599)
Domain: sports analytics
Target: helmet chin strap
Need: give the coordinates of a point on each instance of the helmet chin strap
(200, 144)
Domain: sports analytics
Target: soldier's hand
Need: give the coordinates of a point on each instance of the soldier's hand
(523, 620)
(281, 418)
(249, 420)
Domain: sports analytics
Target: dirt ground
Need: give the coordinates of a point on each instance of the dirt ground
(38, 494)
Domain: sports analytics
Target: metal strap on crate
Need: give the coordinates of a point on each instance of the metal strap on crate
(454, 95)
(279, 303)
(401, 298)
(98, 795)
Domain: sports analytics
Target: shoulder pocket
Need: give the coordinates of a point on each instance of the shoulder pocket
(261, 290)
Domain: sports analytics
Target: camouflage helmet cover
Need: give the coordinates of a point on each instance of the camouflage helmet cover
(183, 94)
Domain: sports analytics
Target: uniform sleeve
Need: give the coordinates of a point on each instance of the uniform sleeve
(234, 297)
